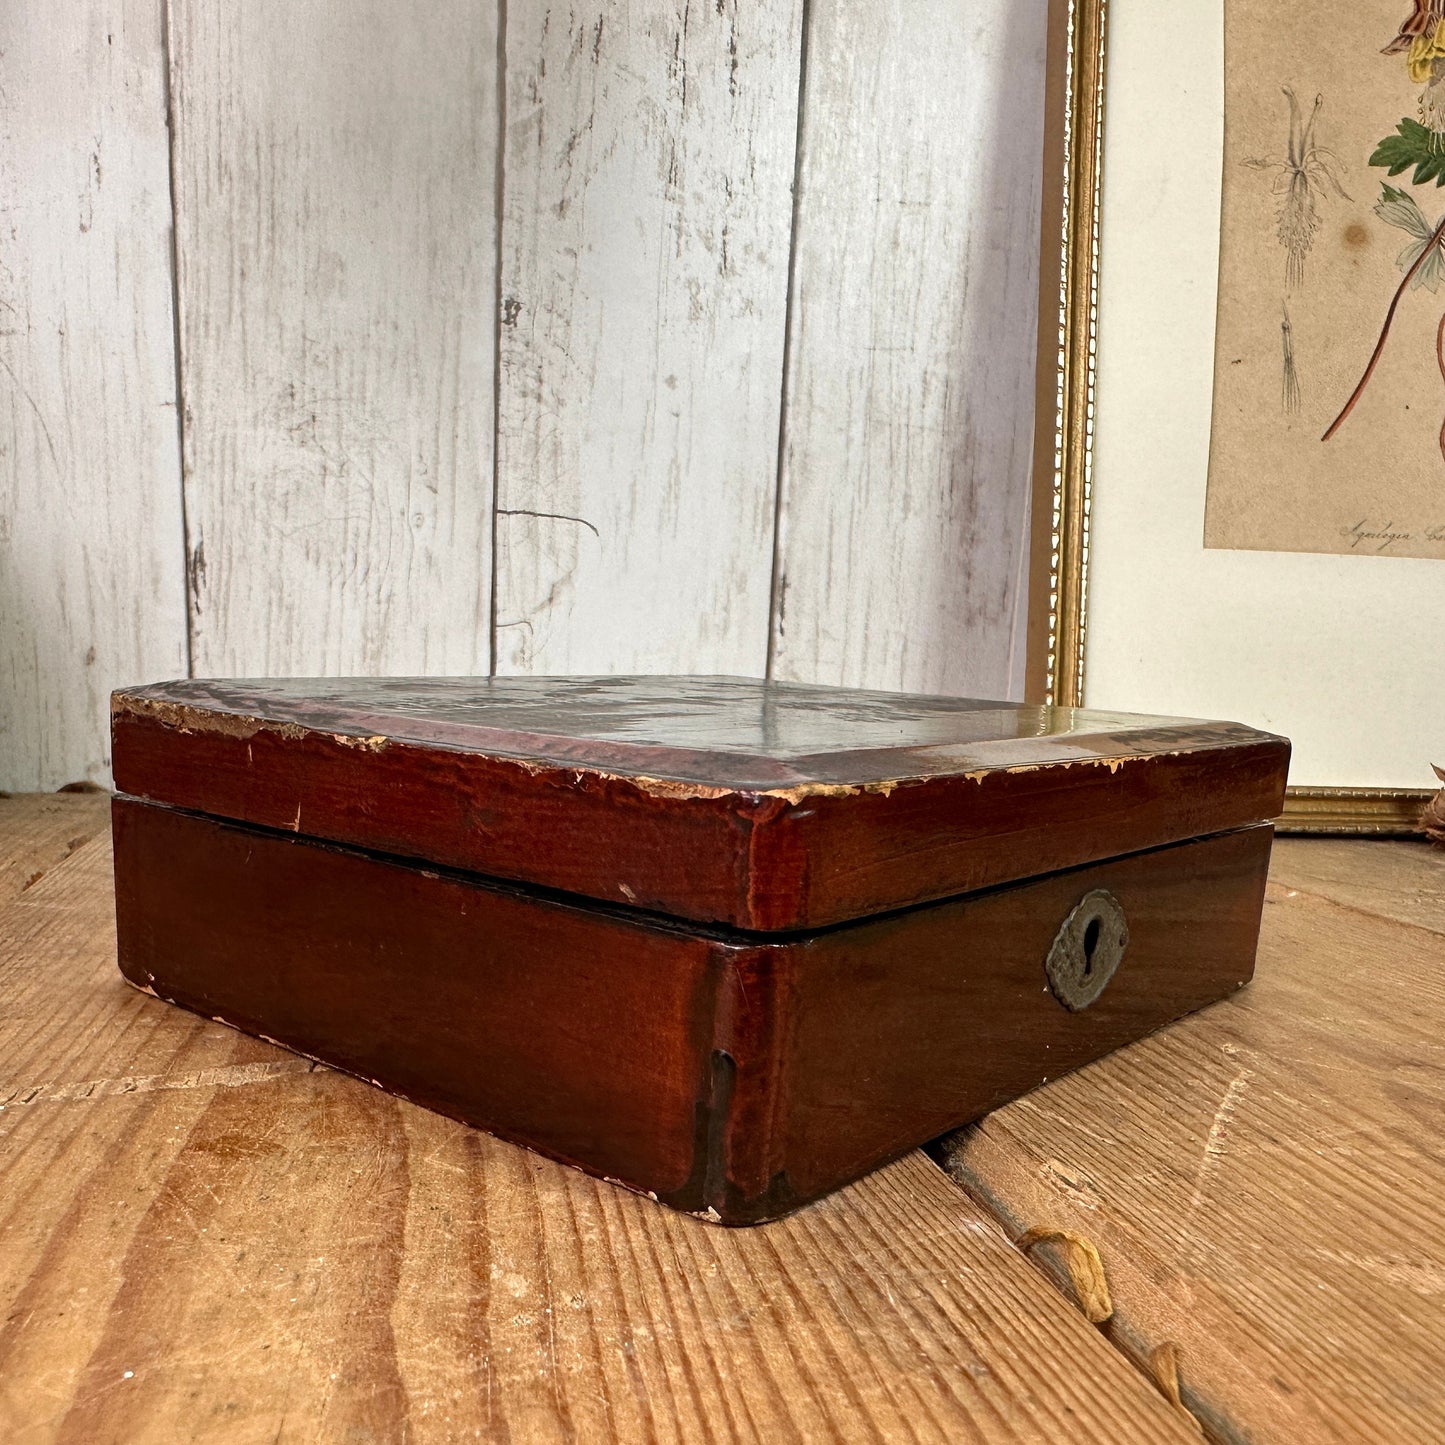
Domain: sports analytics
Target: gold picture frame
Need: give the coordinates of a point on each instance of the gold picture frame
(1064, 429)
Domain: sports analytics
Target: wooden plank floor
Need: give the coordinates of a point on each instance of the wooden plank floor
(1405, 881)
(39, 830)
(1264, 1181)
(204, 1238)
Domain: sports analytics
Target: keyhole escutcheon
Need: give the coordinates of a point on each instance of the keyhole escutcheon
(1087, 950)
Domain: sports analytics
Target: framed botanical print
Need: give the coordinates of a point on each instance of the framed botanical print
(1240, 462)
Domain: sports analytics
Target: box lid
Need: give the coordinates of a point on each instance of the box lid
(764, 806)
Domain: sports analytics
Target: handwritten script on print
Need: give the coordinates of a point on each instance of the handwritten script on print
(1329, 402)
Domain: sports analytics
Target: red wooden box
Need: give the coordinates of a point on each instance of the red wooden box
(731, 943)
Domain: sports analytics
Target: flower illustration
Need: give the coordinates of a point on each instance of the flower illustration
(1421, 40)
(1304, 176)
(1400, 209)
(1417, 146)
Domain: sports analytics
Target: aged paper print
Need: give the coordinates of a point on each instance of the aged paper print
(1329, 405)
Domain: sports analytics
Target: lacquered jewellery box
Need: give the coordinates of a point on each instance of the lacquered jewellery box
(726, 942)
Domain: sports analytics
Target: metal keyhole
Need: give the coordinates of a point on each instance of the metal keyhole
(1087, 950)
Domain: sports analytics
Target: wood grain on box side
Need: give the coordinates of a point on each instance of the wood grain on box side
(271, 1251)
(905, 476)
(92, 592)
(646, 193)
(1263, 1182)
(583, 1035)
(731, 1079)
(335, 240)
(905, 1023)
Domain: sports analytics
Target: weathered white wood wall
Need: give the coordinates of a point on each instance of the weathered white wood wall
(647, 210)
(92, 554)
(335, 165)
(909, 422)
(651, 335)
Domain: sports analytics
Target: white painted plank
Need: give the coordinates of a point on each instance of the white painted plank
(336, 263)
(910, 388)
(647, 206)
(91, 560)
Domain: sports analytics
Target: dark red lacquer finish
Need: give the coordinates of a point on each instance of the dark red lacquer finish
(763, 806)
(683, 933)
